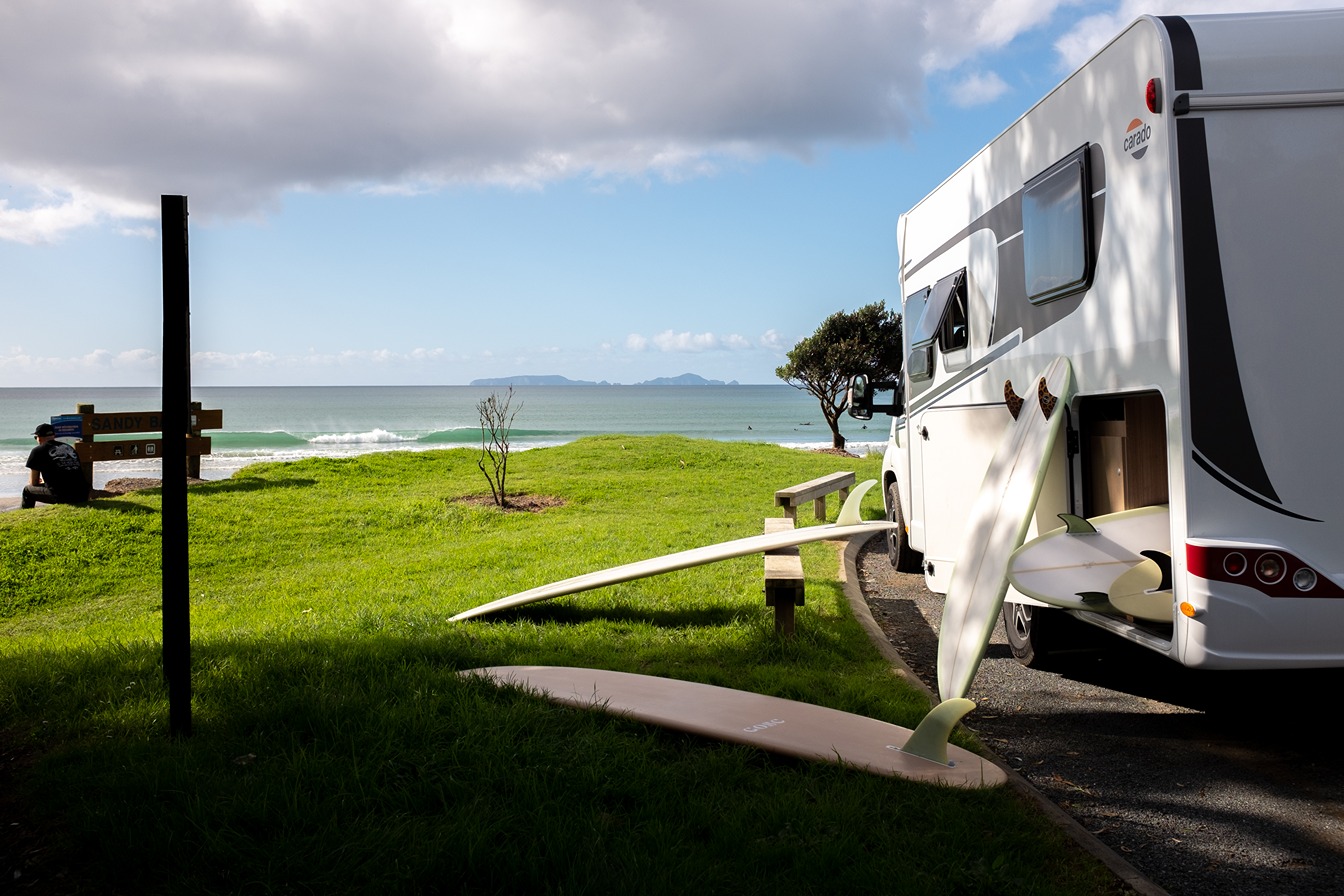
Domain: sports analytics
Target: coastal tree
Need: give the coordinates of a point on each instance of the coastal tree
(496, 416)
(865, 341)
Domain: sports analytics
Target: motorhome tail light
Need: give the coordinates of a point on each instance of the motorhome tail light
(1152, 95)
(1269, 568)
(1271, 571)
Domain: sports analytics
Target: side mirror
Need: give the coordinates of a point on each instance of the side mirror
(860, 399)
(861, 394)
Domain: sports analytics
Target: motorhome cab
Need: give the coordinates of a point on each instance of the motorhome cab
(1168, 219)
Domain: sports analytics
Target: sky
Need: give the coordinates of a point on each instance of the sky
(433, 191)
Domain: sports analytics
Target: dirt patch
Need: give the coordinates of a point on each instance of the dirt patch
(838, 452)
(116, 487)
(516, 503)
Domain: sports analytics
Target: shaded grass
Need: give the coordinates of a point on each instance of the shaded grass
(337, 750)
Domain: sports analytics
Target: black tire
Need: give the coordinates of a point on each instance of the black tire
(903, 558)
(1029, 631)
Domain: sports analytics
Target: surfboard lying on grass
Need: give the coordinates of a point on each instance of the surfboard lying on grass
(803, 730)
(997, 525)
(847, 525)
(1076, 566)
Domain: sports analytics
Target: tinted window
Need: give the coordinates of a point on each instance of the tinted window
(936, 310)
(955, 330)
(1056, 225)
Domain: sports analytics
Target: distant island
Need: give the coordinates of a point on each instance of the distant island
(686, 379)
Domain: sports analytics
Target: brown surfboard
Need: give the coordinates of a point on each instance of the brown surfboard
(804, 730)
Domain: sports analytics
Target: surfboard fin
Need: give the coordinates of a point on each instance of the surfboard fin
(1076, 525)
(1046, 400)
(1012, 399)
(1094, 597)
(929, 740)
(849, 513)
(1163, 562)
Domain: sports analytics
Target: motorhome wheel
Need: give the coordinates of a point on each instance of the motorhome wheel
(1028, 630)
(903, 558)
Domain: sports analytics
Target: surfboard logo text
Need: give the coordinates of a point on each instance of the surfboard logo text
(761, 726)
(1137, 136)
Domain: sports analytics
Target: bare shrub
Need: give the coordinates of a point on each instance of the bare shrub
(496, 421)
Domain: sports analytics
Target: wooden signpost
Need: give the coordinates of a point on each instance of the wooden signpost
(121, 436)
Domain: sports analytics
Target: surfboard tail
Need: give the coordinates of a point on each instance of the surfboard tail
(929, 740)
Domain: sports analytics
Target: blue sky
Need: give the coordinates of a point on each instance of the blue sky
(432, 191)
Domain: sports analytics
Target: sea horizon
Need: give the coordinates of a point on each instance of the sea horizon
(285, 423)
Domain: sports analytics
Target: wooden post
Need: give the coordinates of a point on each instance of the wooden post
(784, 584)
(176, 422)
(87, 468)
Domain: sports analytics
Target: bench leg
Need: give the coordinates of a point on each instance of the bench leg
(791, 512)
(819, 508)
(783, 598)
(784, 617)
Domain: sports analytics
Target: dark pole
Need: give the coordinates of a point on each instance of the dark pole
(176, 422)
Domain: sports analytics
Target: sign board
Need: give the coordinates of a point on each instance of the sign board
(133, 449)
(144, 421)
(68, 426)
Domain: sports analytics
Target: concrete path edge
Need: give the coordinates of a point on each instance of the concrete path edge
(1127, 873)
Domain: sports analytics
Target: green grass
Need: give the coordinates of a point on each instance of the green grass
(337, 750)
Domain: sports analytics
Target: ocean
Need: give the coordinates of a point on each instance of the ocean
(281, 423)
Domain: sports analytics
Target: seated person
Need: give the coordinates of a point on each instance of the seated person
(54, 473)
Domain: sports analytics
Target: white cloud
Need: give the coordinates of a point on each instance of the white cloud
(254, 360)
(100, 365)
(958, 30)
(227, 361)
(977, 89)
(668, 341)
(237, 102)
(772, 340)
(686, 342)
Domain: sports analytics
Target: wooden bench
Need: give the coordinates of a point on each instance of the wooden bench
(783, 578)
(814, 490)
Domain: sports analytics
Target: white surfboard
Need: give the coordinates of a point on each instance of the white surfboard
(1075, 566)
(847, 525)
(803, 730)
(1143, 592)
(996, 526)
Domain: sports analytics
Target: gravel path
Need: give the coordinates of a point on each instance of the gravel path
(1208, 783)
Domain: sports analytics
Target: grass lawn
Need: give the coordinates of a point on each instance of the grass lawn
(336, 750)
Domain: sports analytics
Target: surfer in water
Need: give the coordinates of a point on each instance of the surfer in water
(54, 473)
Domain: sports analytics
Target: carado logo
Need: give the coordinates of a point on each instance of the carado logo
(1137, 136)
(762, 726)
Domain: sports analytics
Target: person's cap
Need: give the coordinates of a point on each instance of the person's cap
(44, 429)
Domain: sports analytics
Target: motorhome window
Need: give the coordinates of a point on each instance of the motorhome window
(917, 366)
(940, 298)
(954, 332)
(1055, 229)
(913, 310)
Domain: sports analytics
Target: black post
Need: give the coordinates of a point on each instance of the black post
(176, 422)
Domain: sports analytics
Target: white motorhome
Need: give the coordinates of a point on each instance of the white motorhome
(1168, 218)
